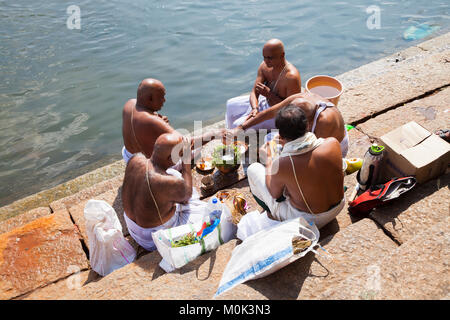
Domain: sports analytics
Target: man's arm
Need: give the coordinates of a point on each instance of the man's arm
(176, 189)
(274, 181)
(254, 95)
(269, 113)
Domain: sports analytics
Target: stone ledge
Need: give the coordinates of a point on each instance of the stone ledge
(44, 198)
(39, 253)
(419, 269)
(431, 112)
(355, 246)
(22, 219)
(395, 87)
(420, 208)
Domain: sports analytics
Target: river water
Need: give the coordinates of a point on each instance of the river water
(62, 89)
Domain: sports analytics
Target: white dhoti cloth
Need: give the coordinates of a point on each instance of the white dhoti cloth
(192, 212)
(284, 210)
(239, 108)
(126, 155)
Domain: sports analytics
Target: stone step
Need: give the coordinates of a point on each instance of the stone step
(408, 81)
(39, 253)
(352, 248)
(418, 269)
(355, 246)
(431, 112)
(22, 219)
(421, 207)
(44, 198)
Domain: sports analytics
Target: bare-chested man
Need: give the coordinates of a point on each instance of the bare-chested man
(324, 118)
(276, 80)
(155, 196)
(142, 124)
(306, 179)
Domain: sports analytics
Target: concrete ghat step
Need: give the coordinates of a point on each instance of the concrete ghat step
(39, 253)
(22, 219)
(352, 248)
(355, 246)
(432, 112)
(144, 279)
(420, 208)
(418, 269)
(44, 198)
(407, 82)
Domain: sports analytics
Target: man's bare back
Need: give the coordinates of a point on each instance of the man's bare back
(147, 128)
(151, 203)
(319, 174)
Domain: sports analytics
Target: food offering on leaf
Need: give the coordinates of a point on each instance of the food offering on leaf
(242, 147)
(226, 158)
(205, 164)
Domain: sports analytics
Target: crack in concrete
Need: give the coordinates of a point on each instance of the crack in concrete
(400, 104)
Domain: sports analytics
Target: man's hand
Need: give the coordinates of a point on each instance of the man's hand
(262, 89)
(164, 118)
(229, 136)
(265, 154)
(252, 114)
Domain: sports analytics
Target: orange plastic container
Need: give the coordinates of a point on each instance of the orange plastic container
(328, 87)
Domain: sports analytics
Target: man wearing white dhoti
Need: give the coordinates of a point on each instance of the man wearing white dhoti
(155, 196)
(276, 80)
(306, 179)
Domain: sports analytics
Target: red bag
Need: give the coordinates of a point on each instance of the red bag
(381, 193)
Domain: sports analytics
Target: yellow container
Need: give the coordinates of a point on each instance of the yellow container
(353, 165)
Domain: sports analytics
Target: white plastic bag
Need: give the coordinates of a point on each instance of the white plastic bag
(254, 222)
(176, 257)
(108, 249)
(266, 252)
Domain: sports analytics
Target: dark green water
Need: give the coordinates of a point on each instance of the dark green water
(62, 90)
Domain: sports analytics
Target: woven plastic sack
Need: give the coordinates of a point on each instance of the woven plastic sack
(267, 251)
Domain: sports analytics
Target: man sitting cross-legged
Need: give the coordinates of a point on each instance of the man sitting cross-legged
(306, 179)
(155, 196)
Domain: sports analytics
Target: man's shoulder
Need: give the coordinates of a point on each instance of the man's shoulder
(328, 145)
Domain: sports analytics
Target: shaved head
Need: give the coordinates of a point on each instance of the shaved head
(163, 148)
(273, 53)
(274, 44)
(150, 93)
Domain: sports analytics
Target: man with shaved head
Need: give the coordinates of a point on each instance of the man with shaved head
(142, 124)
(154, 196)
(324, 118)
(276, 80)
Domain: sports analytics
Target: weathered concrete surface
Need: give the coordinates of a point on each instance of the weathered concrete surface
(420, 208)
(22, 219)
(432, 112)
(396, 87)
(144, 279)
(418, 269)
(44, 198)
(40, 252)
(354, 247)
(396, 61)
(88, 193)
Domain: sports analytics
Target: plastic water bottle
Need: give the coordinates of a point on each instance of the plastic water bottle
(214, 208)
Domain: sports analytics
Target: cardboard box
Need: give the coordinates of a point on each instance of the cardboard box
(411, 150)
